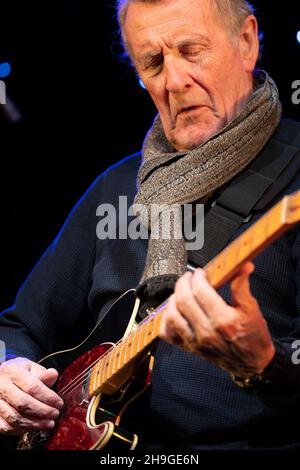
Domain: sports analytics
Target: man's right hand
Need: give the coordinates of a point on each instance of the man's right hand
(26, 401)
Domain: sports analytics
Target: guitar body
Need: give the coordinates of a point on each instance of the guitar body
(94, 423)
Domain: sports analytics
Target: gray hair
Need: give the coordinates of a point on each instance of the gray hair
(232, 14)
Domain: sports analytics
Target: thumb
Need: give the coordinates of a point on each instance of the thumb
(47, 376)
(241, 296)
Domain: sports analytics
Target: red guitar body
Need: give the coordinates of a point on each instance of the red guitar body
(86, 423)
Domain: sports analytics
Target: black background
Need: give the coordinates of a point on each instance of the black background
(83, 109)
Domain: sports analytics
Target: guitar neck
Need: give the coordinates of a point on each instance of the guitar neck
(219, 271)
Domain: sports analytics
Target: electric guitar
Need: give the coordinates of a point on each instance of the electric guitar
(100, 380)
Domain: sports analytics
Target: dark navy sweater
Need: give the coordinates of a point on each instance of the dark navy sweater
(191, 403)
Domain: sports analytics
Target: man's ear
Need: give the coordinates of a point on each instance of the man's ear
(249, 43)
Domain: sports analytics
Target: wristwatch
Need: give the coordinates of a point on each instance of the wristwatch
(249, 383)
(268, 377)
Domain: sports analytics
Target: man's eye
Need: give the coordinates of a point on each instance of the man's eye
(153, 67)
(155, 64)
(192, 51)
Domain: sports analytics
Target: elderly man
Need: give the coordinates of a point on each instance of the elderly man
(231, 383)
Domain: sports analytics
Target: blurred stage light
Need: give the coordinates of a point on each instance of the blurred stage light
(298, 37)
(141, 84)
(5, 70)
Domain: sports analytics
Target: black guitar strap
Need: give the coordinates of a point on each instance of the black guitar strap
(250, 192)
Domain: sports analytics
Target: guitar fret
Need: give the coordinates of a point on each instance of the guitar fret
(105, 369)
(147, 327)
(277, 219)
(157, 320)
(134, 341)
(129, 347)
(132, 347)
(96, 381)
(122, 353)
(230, 262)
(244, 247)
(216, 269)
(254, 232)
(224, 266)
(118, 355)
(111, 362)
(94, 378)
(152, 329)
(145, 334)
(100, 367)
(102, 375)
(139, 339)
(238, 258)
(126, 352)
(149, 332)
(114, 367)
(210, 271)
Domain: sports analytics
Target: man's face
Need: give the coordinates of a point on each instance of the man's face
(195, 73)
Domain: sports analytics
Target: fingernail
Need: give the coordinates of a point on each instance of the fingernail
(55, 414)
(51, 424)
(60, 404)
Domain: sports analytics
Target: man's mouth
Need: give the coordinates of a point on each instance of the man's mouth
(188, 109)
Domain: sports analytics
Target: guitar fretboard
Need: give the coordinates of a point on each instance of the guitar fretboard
(220, 270)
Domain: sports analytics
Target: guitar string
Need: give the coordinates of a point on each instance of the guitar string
(68, 388)
(65, 391)
(147, 319)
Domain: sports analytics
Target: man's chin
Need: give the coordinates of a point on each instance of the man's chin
(192, 136)
(184, 143)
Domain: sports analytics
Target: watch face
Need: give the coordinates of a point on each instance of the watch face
(249, 382)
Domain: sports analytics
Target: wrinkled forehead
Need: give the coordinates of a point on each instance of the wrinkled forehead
(148, 24)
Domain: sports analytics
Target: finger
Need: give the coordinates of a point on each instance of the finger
(21, 423)
(223, 318)
(174, 328)
(207, 339)
(187, 304)
(36, 388)
(241, 295)
(5, 428)
(211, 303)
(47, 376)
(25, 403)
(22, 370)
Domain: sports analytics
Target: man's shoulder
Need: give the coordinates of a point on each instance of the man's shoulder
(119, 178)
(126, 168)
(286, 148)
(288, 132)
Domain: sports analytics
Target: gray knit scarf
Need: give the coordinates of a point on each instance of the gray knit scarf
(174, 178)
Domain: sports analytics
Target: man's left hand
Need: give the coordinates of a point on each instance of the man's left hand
(234, 337)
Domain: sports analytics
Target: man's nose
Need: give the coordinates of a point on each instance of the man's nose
(178, 79)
